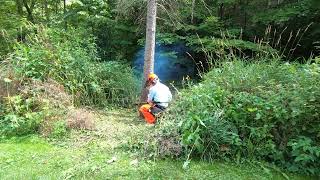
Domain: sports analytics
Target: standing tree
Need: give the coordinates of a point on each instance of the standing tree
(150, 45)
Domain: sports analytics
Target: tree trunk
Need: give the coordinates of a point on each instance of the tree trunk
(221, 11)
(192, 10)
(150, 45)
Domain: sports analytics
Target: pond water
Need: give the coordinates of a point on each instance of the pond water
(172, 63)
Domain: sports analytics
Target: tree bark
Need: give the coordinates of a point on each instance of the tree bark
(150, 45)
(192, 10)
(221, 11)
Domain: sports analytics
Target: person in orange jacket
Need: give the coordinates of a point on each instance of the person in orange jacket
(158, 99)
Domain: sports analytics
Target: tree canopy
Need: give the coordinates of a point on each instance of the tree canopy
(289, 26)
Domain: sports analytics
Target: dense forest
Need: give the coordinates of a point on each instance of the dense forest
(245, 75)
(289, 27)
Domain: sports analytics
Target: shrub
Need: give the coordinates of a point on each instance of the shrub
(264, 111)
(21, 116)
(70, 58)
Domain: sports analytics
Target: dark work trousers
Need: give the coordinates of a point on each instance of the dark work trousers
(157, 109)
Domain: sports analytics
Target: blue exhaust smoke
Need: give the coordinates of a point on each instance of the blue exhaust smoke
(171, 62)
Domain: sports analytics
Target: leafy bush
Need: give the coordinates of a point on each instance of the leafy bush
(70, 58)
(21, 116)
(59, 129)
(265, 111)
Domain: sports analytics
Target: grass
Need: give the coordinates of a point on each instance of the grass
(87, 155)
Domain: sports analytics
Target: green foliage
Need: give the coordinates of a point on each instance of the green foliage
(112, 35)
(21, 116)
(9, 22)
(287, 12)
(221, 46)
(116, 39)
(118, 25)
(71, 59)
(305, 153)
(59, 129)
(210, 26)
(265, 111)
(250, 21)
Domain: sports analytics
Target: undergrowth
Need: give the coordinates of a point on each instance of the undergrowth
(70, 58)
(265, 111)
(51, 72)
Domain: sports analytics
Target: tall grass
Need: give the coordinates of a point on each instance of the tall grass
(286, 46)
(272, 45)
